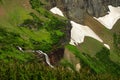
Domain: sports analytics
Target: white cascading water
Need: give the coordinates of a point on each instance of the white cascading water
(39, 52)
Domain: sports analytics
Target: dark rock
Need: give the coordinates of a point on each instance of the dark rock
(56, 56)
(76, 9)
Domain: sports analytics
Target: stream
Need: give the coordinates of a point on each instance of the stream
(39, 52)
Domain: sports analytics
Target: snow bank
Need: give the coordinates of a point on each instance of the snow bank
(78, 67)
(56, 10)
(107, 46)
(78, 33)
(111, 18)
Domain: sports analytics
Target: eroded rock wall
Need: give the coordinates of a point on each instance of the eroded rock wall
(76, 9)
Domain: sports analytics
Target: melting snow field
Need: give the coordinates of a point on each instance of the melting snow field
(56, 10)
(107, 46)
(111, 18)
(79, 32)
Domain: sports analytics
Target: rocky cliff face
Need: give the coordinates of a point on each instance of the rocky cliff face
(76, 9)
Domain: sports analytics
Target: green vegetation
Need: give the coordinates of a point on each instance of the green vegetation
(36, 71)
(110, 66)
(31, 30)
(0, 0)
(86, 60)
(117, 41)
(67, 64)
(105, 34)
(37, 28)
(89, 46)
(99, 64)
(36, 3)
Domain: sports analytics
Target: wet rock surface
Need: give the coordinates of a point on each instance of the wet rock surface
(56, 56)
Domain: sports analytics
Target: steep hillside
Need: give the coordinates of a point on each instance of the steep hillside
(84, 12)
(58, 40)
(105, 34)
(30, 29)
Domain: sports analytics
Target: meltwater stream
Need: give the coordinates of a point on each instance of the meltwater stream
(39, 52)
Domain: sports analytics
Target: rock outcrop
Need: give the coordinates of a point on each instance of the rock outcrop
(76, 9)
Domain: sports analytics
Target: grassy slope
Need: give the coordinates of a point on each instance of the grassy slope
(86, 59)
(99, 29)
(116, 28)
(90, 46)
(105, 34)
(100, 63)
(15, 13)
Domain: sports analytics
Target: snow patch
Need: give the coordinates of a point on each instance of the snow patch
(111, 18)
(56, 10)
(78, 67)
(78, 33)
(107, 46)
